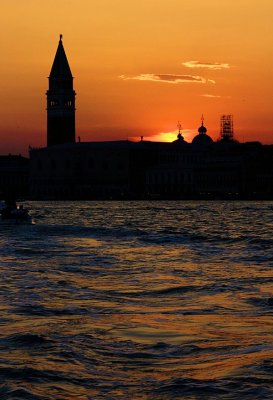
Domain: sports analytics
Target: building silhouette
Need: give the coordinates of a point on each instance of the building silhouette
(14, 176)
(60, 101)
(66, 169)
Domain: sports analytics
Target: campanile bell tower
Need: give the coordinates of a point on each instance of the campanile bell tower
(60, 101)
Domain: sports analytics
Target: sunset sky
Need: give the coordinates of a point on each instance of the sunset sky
(139, 67)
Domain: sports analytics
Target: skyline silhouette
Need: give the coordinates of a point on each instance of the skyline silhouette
(142, 169)
(140, 72)
(123, 169)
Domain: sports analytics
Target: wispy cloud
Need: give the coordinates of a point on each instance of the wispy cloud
(217, 96)
(167, 78)
(211, 95)
(198, 64)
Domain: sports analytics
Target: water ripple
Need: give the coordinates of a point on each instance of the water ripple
(138, 300)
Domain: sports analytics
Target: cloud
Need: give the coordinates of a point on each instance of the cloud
(167, 78)
(214, 96)
(197, 64)
(210, 95)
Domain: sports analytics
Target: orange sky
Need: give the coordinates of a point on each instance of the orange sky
(139, 67)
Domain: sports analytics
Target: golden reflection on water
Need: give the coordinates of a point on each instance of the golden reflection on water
(123, 310)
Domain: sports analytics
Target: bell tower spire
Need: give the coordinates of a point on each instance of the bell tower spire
(60, 101)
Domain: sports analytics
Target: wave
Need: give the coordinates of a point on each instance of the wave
(232, 388)
(25, 340)
(47, 312)
(9, 392)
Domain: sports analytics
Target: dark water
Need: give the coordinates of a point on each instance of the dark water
(138, 300)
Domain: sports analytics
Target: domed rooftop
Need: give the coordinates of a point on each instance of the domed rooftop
(180, 139)
(202, 129)
(202, 138)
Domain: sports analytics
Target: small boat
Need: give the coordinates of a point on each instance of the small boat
(12, 214)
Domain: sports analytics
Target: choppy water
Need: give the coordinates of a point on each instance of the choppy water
(138, 300)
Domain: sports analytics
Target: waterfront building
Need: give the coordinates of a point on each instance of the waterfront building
(14, 176)
(141, 170)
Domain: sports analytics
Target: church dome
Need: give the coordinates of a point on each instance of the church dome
(180, 140)
(202, 138)
(202, 129)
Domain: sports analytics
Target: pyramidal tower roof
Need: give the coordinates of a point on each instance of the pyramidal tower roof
(60, 67)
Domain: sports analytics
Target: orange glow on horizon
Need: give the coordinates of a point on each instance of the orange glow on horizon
(187, 134)
(136, 75)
